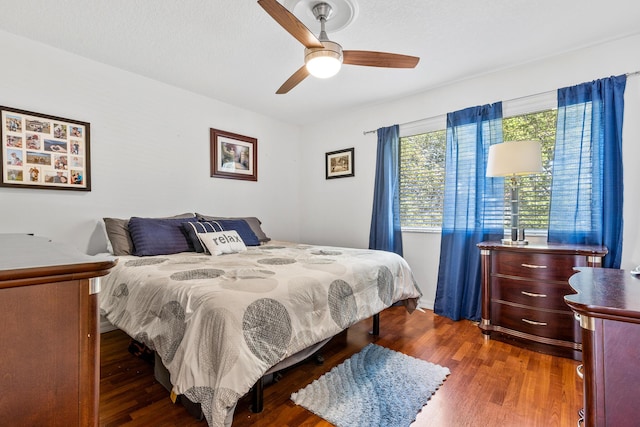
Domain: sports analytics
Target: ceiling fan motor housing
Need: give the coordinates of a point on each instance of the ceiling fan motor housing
(322, 11)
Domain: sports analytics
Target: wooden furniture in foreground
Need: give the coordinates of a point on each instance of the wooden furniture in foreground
(523, 289)
(608, 304)
(49, 351)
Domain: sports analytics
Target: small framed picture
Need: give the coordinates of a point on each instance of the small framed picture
(339, 164)
(233, 156)
(42, 151)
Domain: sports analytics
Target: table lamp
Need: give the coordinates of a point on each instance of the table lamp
(513, 159)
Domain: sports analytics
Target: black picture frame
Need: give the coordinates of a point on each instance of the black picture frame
(340, 163)
(42, 151)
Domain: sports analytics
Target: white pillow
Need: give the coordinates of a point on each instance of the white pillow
(223, 242)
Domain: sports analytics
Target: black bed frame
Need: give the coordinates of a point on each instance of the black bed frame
(257, 402)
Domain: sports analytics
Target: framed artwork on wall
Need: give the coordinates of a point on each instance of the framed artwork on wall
(42, 151)
(233, 156)
(339, 164)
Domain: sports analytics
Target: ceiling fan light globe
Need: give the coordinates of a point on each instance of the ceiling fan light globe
(324, 62)
(323, 67)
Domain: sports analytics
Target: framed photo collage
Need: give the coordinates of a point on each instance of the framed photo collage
(41, 151)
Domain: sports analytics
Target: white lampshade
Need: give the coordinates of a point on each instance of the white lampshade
(514, 158)
(324, 62)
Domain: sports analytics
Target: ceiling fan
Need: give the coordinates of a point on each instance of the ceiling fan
(323, 57)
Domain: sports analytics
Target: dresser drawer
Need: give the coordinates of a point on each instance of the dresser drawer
(542, 323)
(535, 265)
(523, 290)
(549, 295)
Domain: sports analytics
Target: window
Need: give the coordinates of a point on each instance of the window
(422, 179)
(422, 173)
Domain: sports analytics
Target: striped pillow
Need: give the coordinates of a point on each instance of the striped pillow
(194, 228)
(154, 236)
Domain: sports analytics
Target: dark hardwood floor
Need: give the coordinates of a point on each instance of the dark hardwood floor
(491, 383)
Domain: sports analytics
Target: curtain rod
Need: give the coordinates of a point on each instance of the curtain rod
(366, 132)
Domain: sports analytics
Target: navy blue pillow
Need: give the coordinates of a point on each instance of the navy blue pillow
(193, 228)
(241, 227)
(156, 236)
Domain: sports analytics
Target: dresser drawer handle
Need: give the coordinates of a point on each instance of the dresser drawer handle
(531, 294)
(533, 322)
(580, 371)
(533, 266)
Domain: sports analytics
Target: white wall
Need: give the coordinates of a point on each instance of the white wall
(149, 150)
(343, 206)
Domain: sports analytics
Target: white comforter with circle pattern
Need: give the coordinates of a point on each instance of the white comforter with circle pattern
(220, 322)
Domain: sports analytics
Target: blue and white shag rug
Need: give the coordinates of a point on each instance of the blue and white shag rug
(375, 387)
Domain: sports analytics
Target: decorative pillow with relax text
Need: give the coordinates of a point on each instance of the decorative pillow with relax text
(193, 229)
(223, 242)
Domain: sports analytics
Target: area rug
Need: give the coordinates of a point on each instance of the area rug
(375, 387)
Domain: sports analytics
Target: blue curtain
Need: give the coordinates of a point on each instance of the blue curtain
(587, 188)
(385, 231)
(473, 209)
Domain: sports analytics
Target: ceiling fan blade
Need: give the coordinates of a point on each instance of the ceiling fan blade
(289, 22)
(293, 81)
(378, 59)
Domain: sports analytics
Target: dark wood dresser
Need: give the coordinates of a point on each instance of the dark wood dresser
(49, 338)
(523, 289)
(608, 305)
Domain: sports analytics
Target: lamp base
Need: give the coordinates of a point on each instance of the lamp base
(509, 242)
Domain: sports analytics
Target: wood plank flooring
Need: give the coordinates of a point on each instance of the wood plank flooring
(491, 383)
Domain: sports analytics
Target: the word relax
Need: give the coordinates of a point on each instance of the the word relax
(226, 238)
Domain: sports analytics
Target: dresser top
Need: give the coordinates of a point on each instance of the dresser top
(605, 293)
(23, 256)
(554, 248)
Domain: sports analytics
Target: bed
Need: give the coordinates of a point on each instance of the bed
(219, 323)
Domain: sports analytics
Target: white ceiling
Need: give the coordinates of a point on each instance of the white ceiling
(232, 51)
